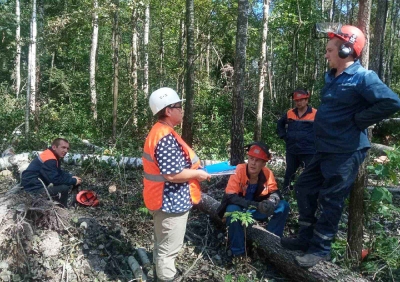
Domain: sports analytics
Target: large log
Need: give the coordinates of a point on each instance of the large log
(281, 258)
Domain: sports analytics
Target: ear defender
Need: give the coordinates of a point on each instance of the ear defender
(346, 50)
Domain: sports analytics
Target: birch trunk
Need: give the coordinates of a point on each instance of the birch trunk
(116, 69)
(262, 71)
(93, 52)
(134, 67)
(237, 131)
(17, 71)
(146, 50)
(31, 89)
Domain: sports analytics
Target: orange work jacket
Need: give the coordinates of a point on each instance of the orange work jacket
(153, 179)
(239, 181)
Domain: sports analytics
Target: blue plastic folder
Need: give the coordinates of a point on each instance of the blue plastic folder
(223, 168)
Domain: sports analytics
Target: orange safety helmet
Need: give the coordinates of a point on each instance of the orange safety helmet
(299, 94)
(352, 36)
(87, 198)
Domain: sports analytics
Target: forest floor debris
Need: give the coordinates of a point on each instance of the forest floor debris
(39, 241)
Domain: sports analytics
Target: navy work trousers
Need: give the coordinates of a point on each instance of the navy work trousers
(325, 184)
(293, 162)
(60, 193)
(236, 230)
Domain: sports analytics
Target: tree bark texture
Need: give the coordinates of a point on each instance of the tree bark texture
(146, 32)
(187, 128)
(281, 258)
(364, 16)
(115, 70)
(262, 69)
(134, 66)
(17, 70)
(93, 52)
(237, 131)
(390, 52)
(379, 36)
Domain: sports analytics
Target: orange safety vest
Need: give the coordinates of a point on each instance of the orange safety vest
(308, 117)
(47, 155)
(153, 179)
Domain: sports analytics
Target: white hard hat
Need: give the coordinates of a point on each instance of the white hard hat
(163, 97)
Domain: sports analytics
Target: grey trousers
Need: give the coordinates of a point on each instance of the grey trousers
(169, 232)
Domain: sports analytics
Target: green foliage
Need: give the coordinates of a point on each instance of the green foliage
(388, 171)
(245, 218)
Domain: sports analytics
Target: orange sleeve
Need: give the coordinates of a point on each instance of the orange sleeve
(233, 186)
(271, 182)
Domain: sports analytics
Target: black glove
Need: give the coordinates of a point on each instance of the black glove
(274, 197)
(266, 207)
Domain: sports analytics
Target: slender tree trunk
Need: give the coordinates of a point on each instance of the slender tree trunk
(237, 131)
(262, 71)
(379, 36)
(31, 89)
(181, 51)
(134, 67)
(392, 36)
(116, 69)
(187, 128)
(93, 52)
(17, 71)
(208, 55)
(146, 50)
(364, 16)
(356, 208)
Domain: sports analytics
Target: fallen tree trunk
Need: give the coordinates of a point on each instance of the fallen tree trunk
(77, 159)
(281, 258)
(380, 149)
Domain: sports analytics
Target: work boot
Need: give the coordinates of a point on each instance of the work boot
(294, 244)
(309, 260)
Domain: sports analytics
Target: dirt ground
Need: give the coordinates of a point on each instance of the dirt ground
(40, 241)
(43, 242)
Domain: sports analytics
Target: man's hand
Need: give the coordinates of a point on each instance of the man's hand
(266, 207)
(274, 198)
(78, 180)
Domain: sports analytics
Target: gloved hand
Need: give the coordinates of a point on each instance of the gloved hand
(266, 207)
(274, 197)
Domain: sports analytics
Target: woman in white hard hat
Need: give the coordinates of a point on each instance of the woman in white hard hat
(171, 180)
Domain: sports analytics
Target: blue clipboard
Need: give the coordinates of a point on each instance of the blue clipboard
(223, 168)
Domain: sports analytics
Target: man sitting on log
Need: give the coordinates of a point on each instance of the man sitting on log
(253, 187)
(47, 168)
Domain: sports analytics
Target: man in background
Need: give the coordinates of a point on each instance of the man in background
(47, 168)
(296, 128)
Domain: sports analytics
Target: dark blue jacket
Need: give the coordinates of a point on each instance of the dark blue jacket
(47, 167)
(351, 102)
(298, 132)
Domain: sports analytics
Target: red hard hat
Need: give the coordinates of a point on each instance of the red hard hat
(352, 35)
(299, 94)
(87, 198)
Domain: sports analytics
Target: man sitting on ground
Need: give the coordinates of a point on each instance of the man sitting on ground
(47, 168)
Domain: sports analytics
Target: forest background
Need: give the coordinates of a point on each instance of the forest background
(85, 69)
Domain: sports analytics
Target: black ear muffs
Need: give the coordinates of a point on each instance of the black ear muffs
(346, 50)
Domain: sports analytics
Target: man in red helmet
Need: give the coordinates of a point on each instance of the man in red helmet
(253, 187)
(352, 99)
(296, 129)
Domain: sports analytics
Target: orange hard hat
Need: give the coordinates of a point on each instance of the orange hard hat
(87, 198)
(351, 34)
